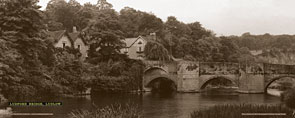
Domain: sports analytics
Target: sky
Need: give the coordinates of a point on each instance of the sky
(223, 17)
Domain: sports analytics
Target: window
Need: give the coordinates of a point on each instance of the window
(63, 45)
(139, 42)
(79, 47)
(139, 49)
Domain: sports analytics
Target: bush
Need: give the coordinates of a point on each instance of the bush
(289, 98)
(19, 92)
(113, 111)
(110, 84)
(117, 76)
(235, 111)
(284, 85)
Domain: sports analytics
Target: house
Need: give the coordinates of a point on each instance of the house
(134, 47)
(79, 43)
(64, 39)
(60, 38)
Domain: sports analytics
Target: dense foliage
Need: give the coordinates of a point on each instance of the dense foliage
(30, 65)
(269, 48)
(156, 51)
(117, 76)
(105, 37)
(264, 42)
(104, 29)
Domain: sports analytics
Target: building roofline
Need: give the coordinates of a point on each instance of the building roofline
(135, 41)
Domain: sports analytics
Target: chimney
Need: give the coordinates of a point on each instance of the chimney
(154, 36)
(74, 29)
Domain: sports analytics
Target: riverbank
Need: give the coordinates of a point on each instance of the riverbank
(235, 111)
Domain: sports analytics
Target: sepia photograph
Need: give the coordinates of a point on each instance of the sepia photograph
(147, 59)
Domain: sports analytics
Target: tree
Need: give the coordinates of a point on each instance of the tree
(103, 5)
(184, 47)
(228, 49)
(31, 64)
(198, 31)
(105, 36)
(129, 20)
(62, 12)
(177, 28)
(149, 23)
(21, 34)
(156, 51)
(86, 16)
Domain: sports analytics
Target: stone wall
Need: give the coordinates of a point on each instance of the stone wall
(188, 74)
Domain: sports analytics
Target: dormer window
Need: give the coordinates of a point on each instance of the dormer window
(63, 44)
(79, 47)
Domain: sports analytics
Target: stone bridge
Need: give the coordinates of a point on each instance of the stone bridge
(191, 76)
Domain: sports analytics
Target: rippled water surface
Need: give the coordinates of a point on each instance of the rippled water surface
(177, 105)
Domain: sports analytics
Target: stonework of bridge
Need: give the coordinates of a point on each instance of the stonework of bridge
(191, 76)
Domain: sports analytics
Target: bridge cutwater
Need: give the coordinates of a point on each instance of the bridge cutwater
(189, 76)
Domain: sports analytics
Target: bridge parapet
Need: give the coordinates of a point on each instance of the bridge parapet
(169, 67)
(155, 64)
(252, 68)
(219, 68)
(279, 69)
(188, 68)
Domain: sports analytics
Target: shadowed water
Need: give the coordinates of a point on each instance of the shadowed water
(175, 105)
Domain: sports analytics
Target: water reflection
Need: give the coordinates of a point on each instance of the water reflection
(154, 105)
(102, 100)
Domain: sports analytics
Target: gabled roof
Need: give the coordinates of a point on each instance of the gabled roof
(74, 36)
(56, 35)
(130, 41)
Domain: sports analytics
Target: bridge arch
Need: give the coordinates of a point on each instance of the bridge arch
(210, 79)
(274, 79)
(154, 68)
(157, 76)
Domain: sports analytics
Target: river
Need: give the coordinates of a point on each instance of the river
(177, 105)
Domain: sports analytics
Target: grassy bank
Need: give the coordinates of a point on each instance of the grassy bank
(235, 111)
(114, 111)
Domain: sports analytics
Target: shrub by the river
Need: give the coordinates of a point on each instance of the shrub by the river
(114, 111)
(117, 76)
(289, 98)
(110, 84)
(235, 111)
